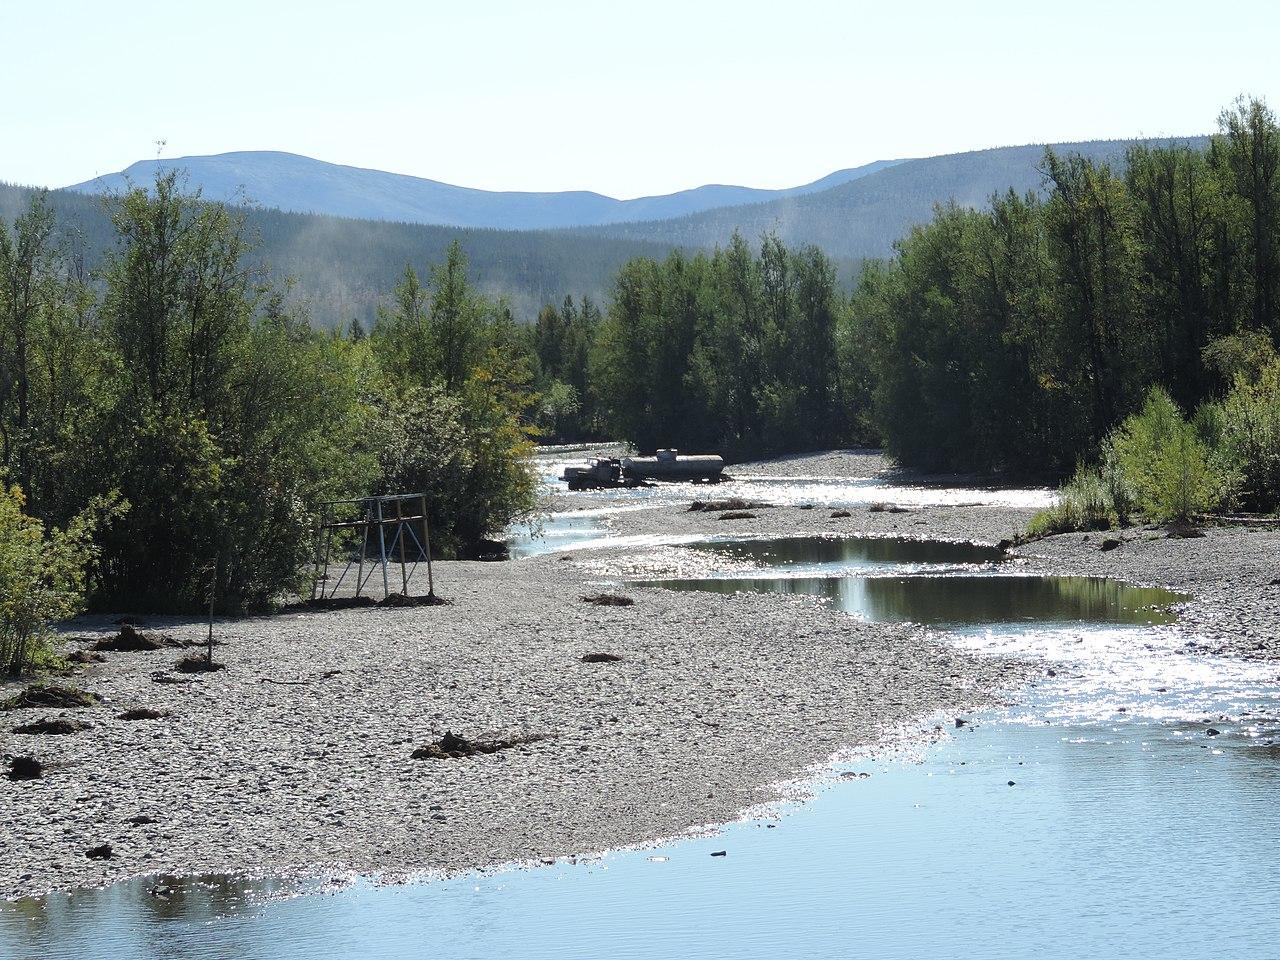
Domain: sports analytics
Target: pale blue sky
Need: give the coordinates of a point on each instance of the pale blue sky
(628, 100)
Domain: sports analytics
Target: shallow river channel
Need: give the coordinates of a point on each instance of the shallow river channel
(1126, 806)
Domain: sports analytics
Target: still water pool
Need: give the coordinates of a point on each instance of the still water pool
(944, 583)
(849, 554)
(991, 602)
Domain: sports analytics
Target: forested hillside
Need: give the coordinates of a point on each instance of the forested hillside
(862, 219)
(344, 268)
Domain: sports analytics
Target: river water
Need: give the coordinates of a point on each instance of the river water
(1126, 807)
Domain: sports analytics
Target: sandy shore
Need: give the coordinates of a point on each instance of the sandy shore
(296, 758)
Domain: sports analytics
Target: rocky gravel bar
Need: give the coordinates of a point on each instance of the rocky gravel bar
(297, 758)
(1231, 575)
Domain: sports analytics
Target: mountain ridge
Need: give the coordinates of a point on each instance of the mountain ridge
(346, 266)
(299, 184)
(863, 218)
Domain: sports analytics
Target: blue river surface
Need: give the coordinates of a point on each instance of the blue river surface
(1134, 833)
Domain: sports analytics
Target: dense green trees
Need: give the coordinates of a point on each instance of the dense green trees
(185, 393)
(177, 385)
(452, 388)
(561, 342)
(1017, 337)
(735, 351)
(1022, 337)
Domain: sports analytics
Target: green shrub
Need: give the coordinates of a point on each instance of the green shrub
(1085, 502)
(466, 452)
(1249, 438)
(42, 577)
(1170, 469)
(1247, 354)
(559, 412)
(1122, 499)
(1155, 463)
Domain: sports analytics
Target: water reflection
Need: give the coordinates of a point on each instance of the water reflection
(964, 601)
(146, 917)
(1108, 843)
(820, 552)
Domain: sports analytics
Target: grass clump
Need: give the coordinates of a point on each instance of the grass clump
(52, 695)
(1098, 497)
(1082, 505)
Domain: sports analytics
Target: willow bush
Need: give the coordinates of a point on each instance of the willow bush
(43, 577)
(182, 381)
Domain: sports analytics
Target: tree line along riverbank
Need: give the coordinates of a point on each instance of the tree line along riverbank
(168, 423)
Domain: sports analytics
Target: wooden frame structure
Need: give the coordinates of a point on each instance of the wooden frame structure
(374, 516)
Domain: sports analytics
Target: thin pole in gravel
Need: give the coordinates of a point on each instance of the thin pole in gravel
(328, 544)
(382, 551)
(364, 543)
(404, 569)
(213, 587)
(426, 539)
(315, 556)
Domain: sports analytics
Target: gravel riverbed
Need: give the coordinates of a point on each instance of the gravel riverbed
(296, 759)
(1231, 574)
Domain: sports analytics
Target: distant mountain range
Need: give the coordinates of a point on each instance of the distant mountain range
(286, 181)
(346, 257)
(344, 268)
(862, 218)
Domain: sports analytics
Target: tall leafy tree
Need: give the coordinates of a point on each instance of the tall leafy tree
(1247, 154)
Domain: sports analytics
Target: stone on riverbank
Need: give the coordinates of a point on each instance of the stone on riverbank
(53, 695)
(142, 713)
(198, 663)
(129, 640)
(453, 747)
(55, 727)
(732, 503)
(25, 768)
(608, 600)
